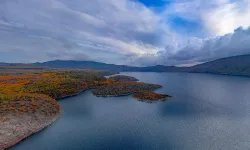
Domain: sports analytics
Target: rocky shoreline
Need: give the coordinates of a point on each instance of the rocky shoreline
(33, 128)
(34, 124)
(25, 115)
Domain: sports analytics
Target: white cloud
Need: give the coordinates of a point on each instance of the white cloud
(121, 31)
(119, 27)
(227, 16)
(218, 17)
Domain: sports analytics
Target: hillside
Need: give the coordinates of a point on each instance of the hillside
(236, 65)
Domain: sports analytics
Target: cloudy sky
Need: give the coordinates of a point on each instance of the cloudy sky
(132, 32)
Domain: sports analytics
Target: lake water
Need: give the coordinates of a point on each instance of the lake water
(206, 112)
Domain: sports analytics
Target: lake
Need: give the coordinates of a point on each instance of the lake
(206, 112)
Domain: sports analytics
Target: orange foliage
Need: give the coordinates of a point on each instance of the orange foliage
(45, 74)
(112, 82)
(23, 108)
(38, 91)
(150, 95)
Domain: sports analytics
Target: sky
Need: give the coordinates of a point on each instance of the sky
(130, 32)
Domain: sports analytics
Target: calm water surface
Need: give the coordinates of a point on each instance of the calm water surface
(207, 112)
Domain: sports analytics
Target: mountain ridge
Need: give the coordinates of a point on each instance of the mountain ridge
(234, 65)
(74, 64)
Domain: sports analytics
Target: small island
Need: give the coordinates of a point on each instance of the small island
(150, 96)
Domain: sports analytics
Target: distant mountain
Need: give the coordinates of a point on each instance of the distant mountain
(19, 66)
(72, 64)
(3, 63)
(236, 65)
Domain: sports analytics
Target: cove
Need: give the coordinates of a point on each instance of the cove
(206, 112)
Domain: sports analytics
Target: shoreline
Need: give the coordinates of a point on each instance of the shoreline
(30, 133)
(72, 95)
(16, 141)
(122, 95)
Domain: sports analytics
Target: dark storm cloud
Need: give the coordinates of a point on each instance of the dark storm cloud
(237, 43)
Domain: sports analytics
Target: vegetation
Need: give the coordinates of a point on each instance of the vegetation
(150, 96)
(123, 88)
(123, 78)
(28, 103)
(236, 65)
(28, 91)
(31, 88)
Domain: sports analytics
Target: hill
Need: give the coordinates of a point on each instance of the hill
(236, 65)
(72, 64)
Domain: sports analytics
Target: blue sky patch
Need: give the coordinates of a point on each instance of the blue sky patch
(154, 3)
(188, 27)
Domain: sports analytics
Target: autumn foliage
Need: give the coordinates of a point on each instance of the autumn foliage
(150, 96)
(30, 92)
